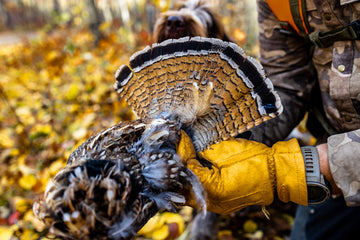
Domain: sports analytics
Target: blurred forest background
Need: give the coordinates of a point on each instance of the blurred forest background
(57, 65)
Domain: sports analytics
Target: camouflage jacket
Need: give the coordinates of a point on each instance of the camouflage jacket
(295, 68)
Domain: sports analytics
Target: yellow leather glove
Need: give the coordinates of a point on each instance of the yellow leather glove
(247, 173)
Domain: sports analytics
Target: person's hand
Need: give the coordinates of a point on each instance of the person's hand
(247, 173)
(325, 168)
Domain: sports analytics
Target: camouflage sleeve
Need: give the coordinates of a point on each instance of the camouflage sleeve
(344, 159)
(287, 62)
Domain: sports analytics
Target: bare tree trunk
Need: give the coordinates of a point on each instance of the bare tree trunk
(5, 14)
(95, 20)
(251, 23)
(56, 6)
(125, 14)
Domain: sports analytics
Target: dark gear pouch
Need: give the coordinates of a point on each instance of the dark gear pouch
(317, 122)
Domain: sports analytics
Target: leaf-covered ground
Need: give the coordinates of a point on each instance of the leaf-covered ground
(56, 91)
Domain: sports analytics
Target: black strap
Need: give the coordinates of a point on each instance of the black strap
(320, 116)
(317, 122)
(323, 40)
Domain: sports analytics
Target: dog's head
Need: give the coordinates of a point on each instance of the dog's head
(192, 18)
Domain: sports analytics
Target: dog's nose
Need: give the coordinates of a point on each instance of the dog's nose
(175, 22)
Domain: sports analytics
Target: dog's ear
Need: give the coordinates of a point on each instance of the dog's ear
(217, 30)
(227, 38)
(159, 29)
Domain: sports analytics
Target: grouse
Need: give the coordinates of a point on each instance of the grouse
(119, 178)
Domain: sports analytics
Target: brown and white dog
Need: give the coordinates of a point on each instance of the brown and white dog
(191, 18)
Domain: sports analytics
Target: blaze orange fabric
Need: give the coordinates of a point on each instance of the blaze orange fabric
(282, 11)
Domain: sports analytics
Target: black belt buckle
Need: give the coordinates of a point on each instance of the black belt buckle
(355, 25)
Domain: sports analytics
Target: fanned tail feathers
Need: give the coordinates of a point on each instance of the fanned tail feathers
(214, 89)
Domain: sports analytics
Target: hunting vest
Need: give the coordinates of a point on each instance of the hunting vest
(293, 18)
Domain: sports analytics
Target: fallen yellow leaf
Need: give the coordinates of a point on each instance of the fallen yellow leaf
(222, 233)
(5, 233)
(72, 92)
(256, 235)
(80, 133)
(21, 204)
(175, 218)
(161, 233)
(250, 226)
(239, 35)
(29, 235)
(25, 115)
(29, 217)
(6, 139)
(154, 223)
(56, 166)
(27, 182)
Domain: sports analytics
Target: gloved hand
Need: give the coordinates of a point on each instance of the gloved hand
(247, 173)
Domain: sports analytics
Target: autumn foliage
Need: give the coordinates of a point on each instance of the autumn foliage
(56, 90)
